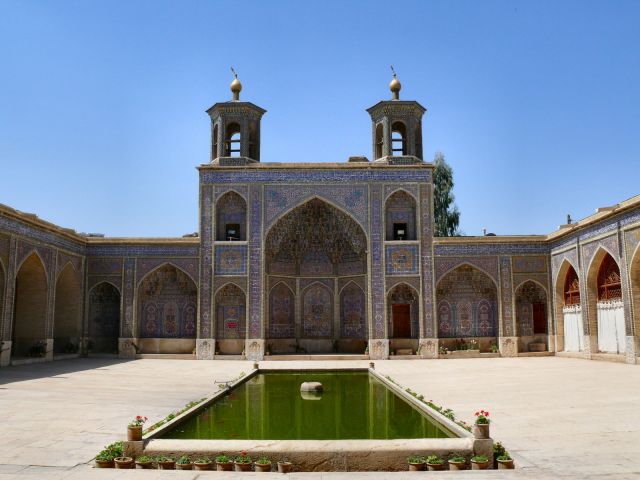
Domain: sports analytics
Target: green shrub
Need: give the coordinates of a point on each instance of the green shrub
(223, 459)
(263, 461)
(457, 459)
(434, 460)
(504, 456)
(144, 459)
(164, 458)
(415, 459)
(243, 459)
(203, 460)
(480, 458)
(184, 460)
(105, 456)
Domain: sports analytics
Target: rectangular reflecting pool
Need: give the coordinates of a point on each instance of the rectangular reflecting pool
(354, 405)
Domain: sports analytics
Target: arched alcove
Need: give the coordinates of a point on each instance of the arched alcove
(379, 141)
(569, 323)
(606, 309)
(398, 139)
(67, 312)
(531, 314)
(403, 312)
(231, 218)
(353, 312)
(30, 309)
(104, 318)
(166, 300)
(232, 140)
(281, 312)
(3, 283)
(317, 312)
(231, 323)
(400, 217)
(467, 306)
(634, 277)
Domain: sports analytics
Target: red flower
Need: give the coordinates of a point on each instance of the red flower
(477, 413)
(486, 414)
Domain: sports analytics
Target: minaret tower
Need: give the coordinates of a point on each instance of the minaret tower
(235, 129)
(397, 128)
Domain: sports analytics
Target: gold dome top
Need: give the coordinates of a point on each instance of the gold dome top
(395, 85)
(236, 86)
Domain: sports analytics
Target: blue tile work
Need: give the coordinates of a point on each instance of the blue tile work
(46, 254)
(401, 259)
(255, 261)
(192, 250)
(413, 189)
(489, 265)
(9, 290)
(631, 239)
(105, 266)
(281, 198)
(4, 249)
(230, 260)
(242, 190)
(426, 243)
(129, 282)
(187, 265)
(206, 270)
(15, 226)
(63, 259)
(315, 176)
(490, 248)
(610, 244)
(377, 274)
(506, 285)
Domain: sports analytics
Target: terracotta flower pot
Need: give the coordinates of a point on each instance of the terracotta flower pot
(457, 465)
(184, 466)
(435, 467)
(479, 465)
(262, 467)
(202, 466)
(481, 430)
(285, 467)
(167, 465)
(145, 465)
(242, 467)
(124, 462)
(224, 467)
(134, 434)
(506, 464)
(105, 463)
(416, 467)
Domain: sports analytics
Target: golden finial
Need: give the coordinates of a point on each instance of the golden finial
(236, 86)
(395, 86)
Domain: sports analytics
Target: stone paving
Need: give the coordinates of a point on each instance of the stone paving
(559, 417)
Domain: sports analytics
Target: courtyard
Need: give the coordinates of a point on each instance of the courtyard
(559, 417)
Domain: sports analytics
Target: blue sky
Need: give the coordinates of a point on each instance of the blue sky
(536, 105)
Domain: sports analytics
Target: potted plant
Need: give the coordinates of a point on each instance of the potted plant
(481, 427)
(263, 464)
(124, 462)
(243, 462)
(202, 463)
(416, 463)
(184, 463)
(434, 463)
(144, 461)
(498, 450)
(285, 466)
(457, 462)
(104, 459)
(224, 463)
(134, 430)
(505, 462)
(165, 463)
(479, 462)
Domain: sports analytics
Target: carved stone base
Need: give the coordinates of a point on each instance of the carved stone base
(49, 355)
(254, 349)
(509, 346)
(205, 348)
(126, 348)
(5, 353)
(428, 348)
(551, 343)
(378, 348)
(590, 345)
(632, 349)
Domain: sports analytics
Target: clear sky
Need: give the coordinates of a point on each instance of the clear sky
(536, 105)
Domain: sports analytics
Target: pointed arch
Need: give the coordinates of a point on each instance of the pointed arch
(634, 282)
(230, 318)
(104, 317)
(317, 311)
(166, 303)
(465, 263)
(403, 311)
(353, 308)
(33, 251)
(605, 312)
(569, 327)
(231, 217)
(400, 216)
(531, 312)
(67, 311)
(472, 297)
(30, 310)
(3, 286)
(282, 303)
(162, 265)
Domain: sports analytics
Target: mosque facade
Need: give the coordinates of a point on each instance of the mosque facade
(320, 258)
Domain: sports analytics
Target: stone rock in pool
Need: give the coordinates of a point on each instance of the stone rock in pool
(311, 387)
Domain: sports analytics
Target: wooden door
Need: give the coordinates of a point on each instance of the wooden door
(401, 320)
(539, 318)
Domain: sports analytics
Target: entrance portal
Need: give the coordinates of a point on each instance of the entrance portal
(401, 320)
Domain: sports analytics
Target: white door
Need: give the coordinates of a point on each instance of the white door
(573, 330)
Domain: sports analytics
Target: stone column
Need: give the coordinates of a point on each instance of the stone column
(254, 344)
(51, 302)
(205, 343)
(127, 340)
(386, 132)
(631, 344)
(378, 341)
(244, 137)
(428, 346)
(9, 292)
(508, 339)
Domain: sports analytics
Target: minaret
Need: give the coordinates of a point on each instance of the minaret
(397, 128)
(235, 129)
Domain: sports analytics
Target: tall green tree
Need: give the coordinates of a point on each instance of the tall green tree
(446, 213)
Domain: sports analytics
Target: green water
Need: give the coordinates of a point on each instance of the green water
(354, 405)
